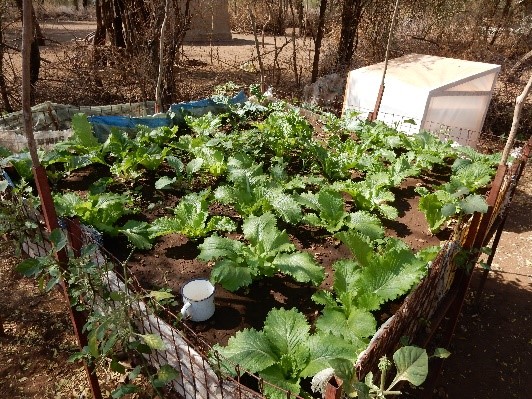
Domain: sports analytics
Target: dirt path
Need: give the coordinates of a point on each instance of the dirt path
(492, 348)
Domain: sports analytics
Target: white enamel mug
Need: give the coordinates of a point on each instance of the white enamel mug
(198, 300)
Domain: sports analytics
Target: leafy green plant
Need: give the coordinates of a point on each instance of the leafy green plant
(191, 218)
(268, 251)
(457, 197)
(411, 364)
(285, 133)
(253, 192)
(363, 284)
(372, 194)
(102, 211)
(109, 328)
(331, 215)
(284, 352)
(129, 155)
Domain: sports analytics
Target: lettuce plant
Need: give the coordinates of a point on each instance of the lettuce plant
(268, 251)
(253, 192)
(191, 218)
(330, 214)
(364, 283)
(284, 351)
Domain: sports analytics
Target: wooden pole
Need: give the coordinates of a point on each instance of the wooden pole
(375, 112)
(519, 103)
(41, 181)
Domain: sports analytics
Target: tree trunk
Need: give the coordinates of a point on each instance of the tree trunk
(99, 35)
(317, 42)
(351, 14)
(4, 93)
(118, 38)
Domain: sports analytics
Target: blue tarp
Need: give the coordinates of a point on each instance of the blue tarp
(204, 106)
(102, 124)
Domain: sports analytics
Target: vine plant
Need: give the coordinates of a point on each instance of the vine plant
(109, 327)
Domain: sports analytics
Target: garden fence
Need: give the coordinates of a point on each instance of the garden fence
(439, 295)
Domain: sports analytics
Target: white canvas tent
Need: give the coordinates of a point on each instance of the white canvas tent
(443, 95)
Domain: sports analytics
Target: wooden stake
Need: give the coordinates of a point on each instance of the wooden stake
(519, 103)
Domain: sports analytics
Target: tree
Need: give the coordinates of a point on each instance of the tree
(317, 41)
(135, 26)
(350, 19)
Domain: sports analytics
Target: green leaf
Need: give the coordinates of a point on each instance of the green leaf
(275, 376)
(30, 267)
(154, 341)
(301, 266)
(164, 182)
(389, 276)
(83, 132)
(94, 344)
(358, 245)
(160, 295)
(286, 330)
(231, 275)
(367, 224)
(250, 349)
(432, 207)
(473, 203)
(117, 367)
(441, 353)
(194, 166)
(326, 348)
(137, 233)
(123, 390)
(355, 326)
(165, 374)
(412, 364)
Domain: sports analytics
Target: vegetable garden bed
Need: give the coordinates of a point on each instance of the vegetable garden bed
(325, 226)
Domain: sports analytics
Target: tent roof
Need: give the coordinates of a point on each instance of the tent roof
(428, 72)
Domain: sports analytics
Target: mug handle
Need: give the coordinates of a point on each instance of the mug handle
(185, 313)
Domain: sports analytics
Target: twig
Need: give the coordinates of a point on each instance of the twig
(519, 103)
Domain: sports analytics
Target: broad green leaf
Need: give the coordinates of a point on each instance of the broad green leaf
(393, 274)
(301, 266)
(275, 377)
(358, 245)
(286, 330)
(325, 348)
(285, 206)
(215, 247)
(123, 390)
(250, 349)
(117, 367)
(194, 166)
(164, 182)
(3, 186)
(231, 275)
(355, 326)
(366, 223)
(30, 267)
(137, 233)
(83, 132)
(412, 364)
(165, 374)
(473, 203)
(431, 206)
(160, 295)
